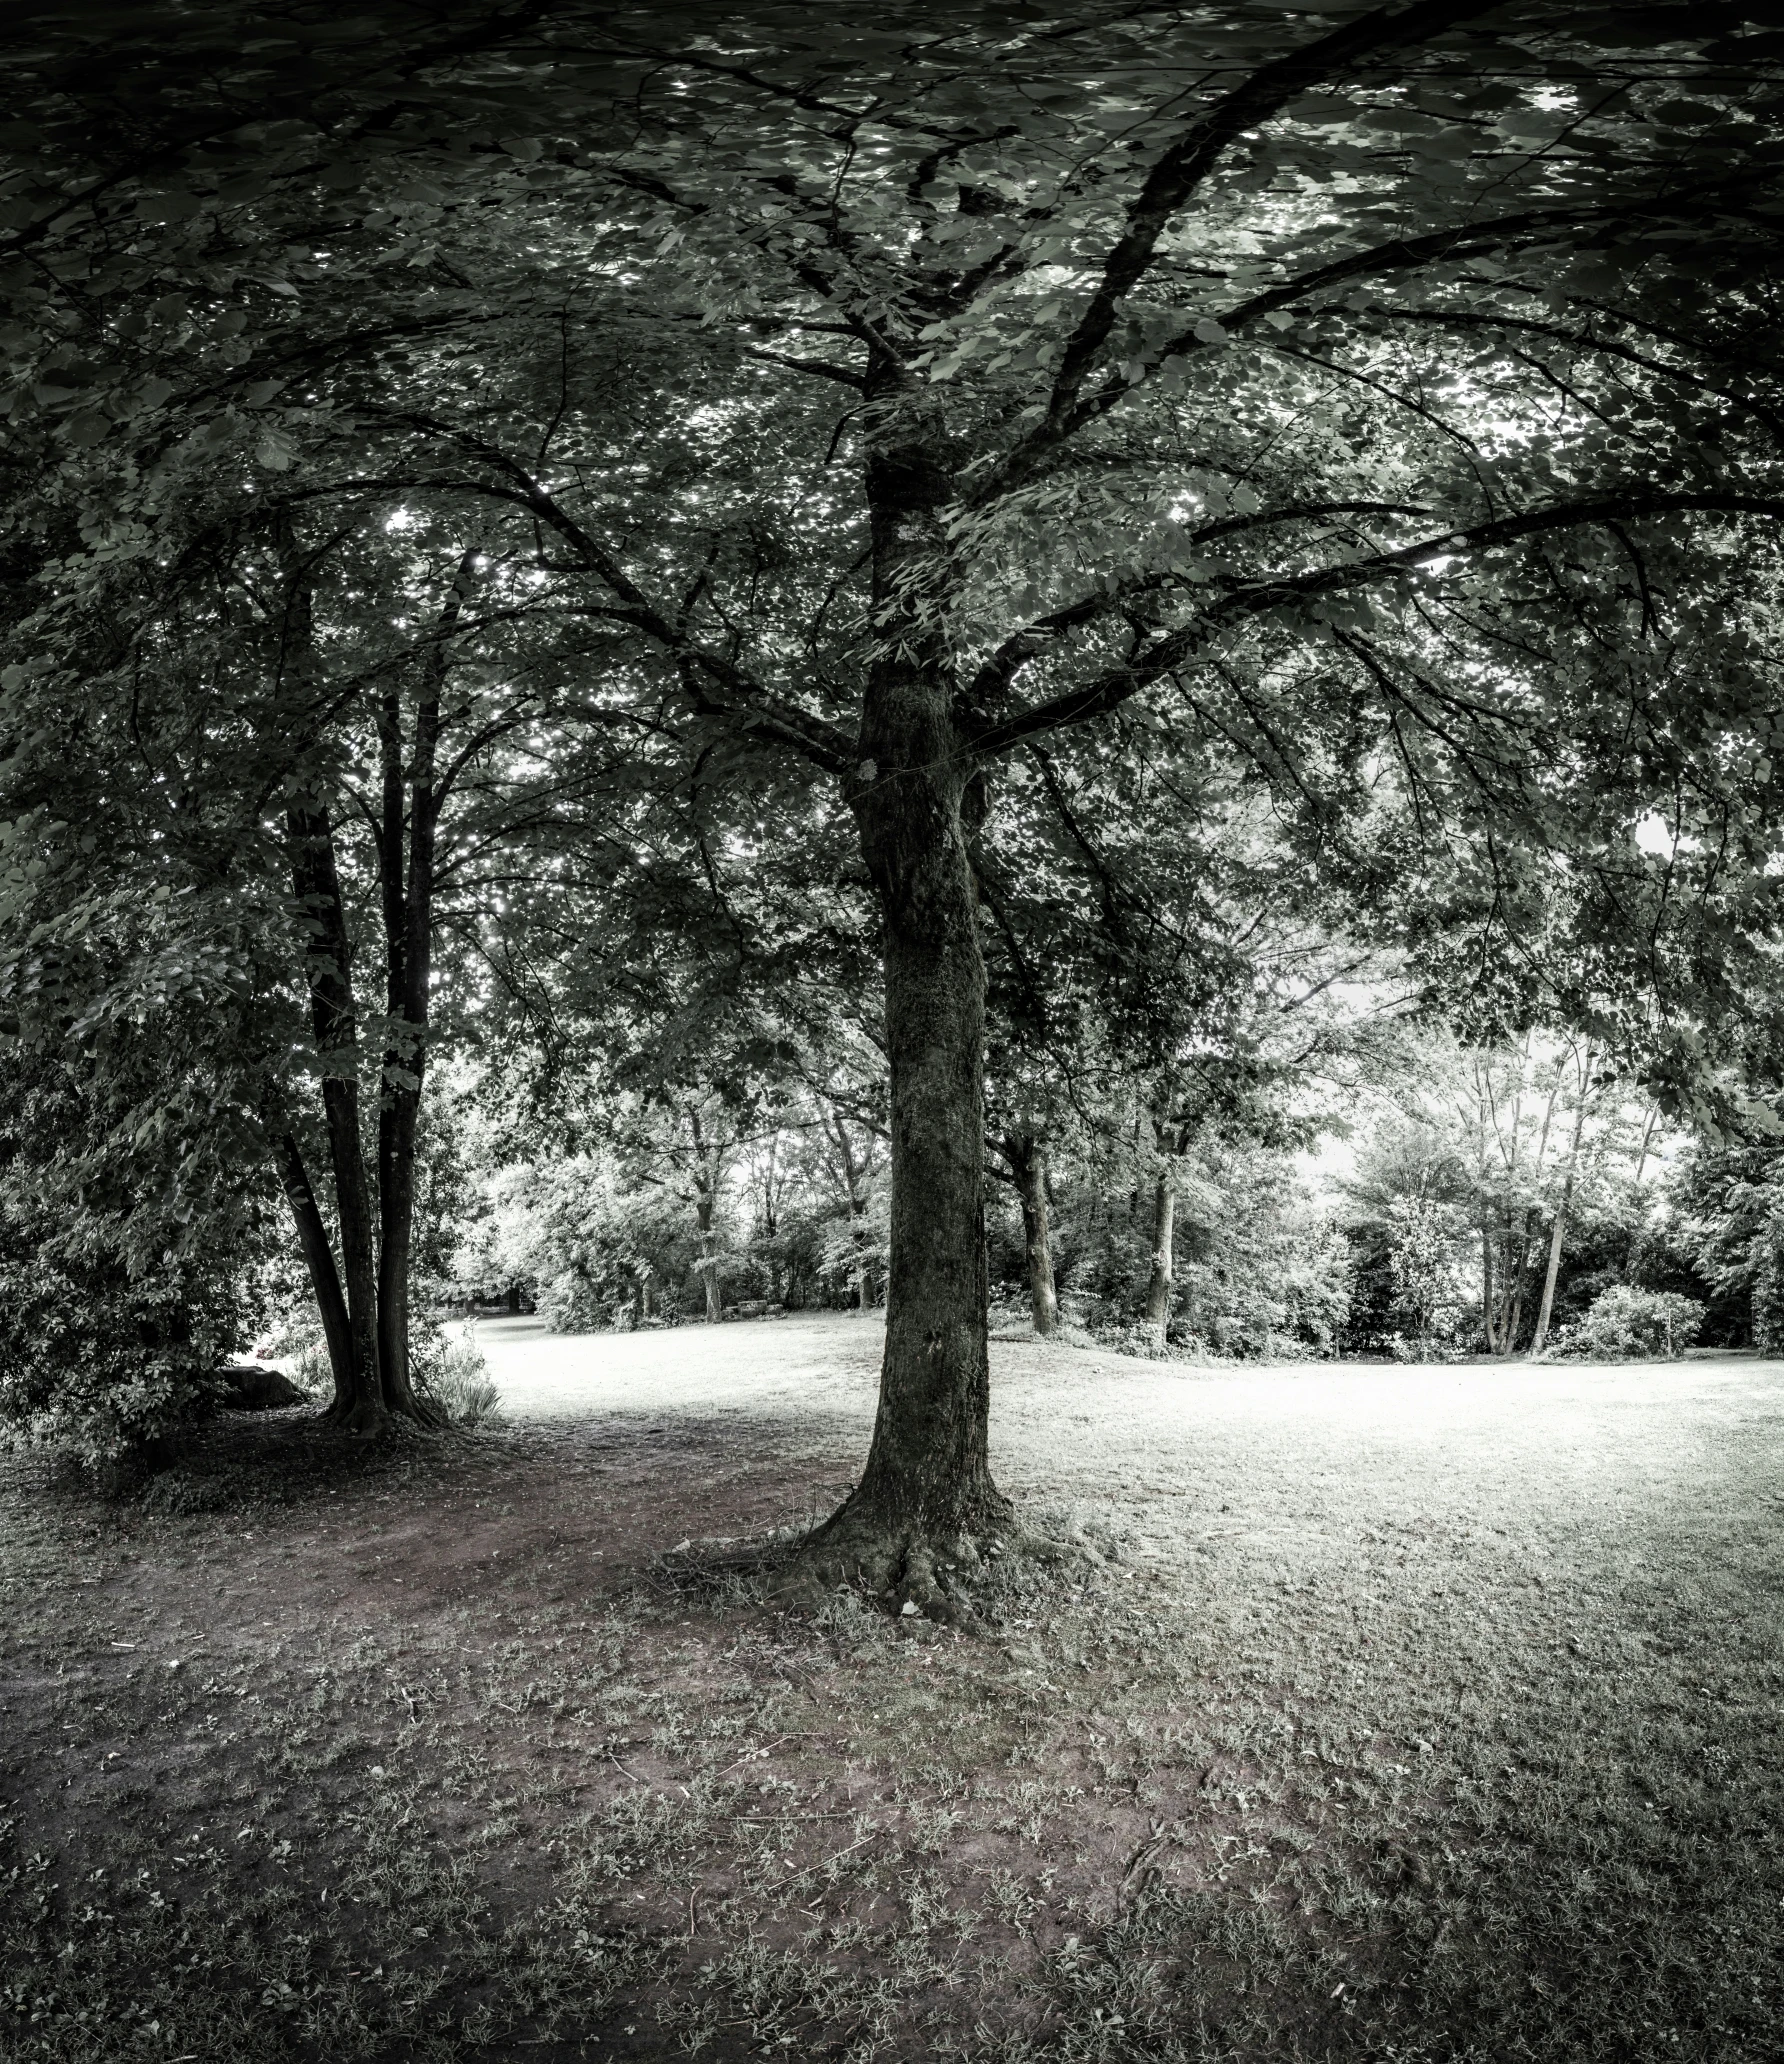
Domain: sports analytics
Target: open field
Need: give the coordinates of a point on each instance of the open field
(1409, 1714)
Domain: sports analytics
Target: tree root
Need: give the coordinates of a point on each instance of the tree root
(952, 1579)
(368, 1419)
(364, 1419)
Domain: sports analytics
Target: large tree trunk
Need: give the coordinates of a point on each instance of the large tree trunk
(1163, 1279)
(926, 1497)
(1026, 1153)
(319, 1259)
(928, 1476)
(926, 1491)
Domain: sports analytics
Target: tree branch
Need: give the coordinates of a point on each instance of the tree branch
(1120, 683)
(1174, 179)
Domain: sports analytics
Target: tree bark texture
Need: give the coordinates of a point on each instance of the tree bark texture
(319, 1259)
(927, 1480)
(1164, 1247)
(1026, 1153)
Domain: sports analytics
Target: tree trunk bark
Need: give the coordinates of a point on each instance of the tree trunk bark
(408, 934)
(1546, 1309)
(318, 892)
(927, 1481)
(1164, 1243)
(928, 1476)
(1026, 1153)
(706, 1183)
(926, 1491)
(319, 1259)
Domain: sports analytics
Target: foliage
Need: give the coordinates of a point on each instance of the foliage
(103, 1366)
(1627, 1324)
(580, 1240)
(1720, 1240)
(132, 1239)
(1474, 1146)
(1262, 1269)
(1205, 462)
(451, 1373)
(1424, 1235)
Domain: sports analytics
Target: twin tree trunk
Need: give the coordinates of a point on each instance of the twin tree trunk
(366, 1322)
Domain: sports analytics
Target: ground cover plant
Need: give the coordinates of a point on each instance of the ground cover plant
(1390, 1712)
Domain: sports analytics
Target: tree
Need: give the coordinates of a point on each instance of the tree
(336, 731)
(1558, 1228)
(1108, 369)
(1424, 1234)
(1530, 1160)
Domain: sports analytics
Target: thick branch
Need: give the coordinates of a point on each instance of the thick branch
(1181, 170)
(1110, 689)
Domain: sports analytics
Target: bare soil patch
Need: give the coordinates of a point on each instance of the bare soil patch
(1429, 1714)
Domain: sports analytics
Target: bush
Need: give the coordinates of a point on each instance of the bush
(117, 1309)
(134, 1195)
(452, 1375)
(106, 1368)
(1629, 1325)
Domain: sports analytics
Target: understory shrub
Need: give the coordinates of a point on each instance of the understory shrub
(128, 1272)
(104, 1366)
(1626, 1324)
(451, 1374)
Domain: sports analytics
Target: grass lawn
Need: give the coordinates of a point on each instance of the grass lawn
(1407, 1714)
